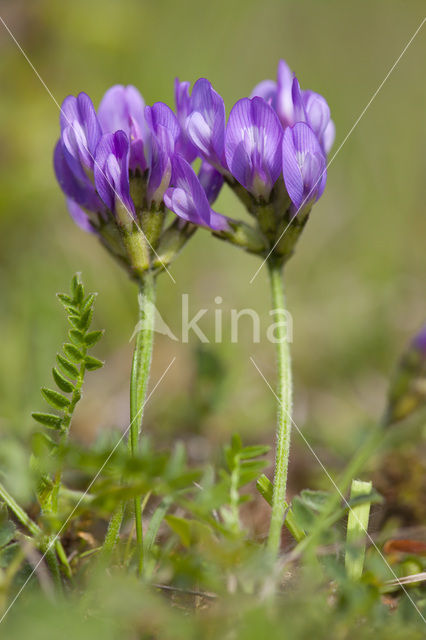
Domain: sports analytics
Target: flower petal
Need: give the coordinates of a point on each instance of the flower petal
(253, 145)
(165, 131)
(76, 186)
(284, 104)
(80, 128)
(112, 171)
(206, 124)
(184, 145)
(211, 180)
(267, 89)
(79, 216)
(187, 197)
(304, 164)
(122, 108)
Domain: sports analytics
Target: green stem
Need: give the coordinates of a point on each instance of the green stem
(284, 395)
(139, 384)
(21, 515)
(35, 531)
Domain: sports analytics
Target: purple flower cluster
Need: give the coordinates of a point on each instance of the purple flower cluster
(280, 135)
(96, 152)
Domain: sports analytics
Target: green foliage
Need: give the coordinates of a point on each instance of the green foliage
(69, 377)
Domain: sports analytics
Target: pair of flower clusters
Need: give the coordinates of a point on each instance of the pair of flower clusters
(121, 167)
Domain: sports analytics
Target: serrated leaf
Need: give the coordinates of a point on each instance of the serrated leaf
(62, 382)
(55, 399)
(93, 363)
(7, 531)
(72, 352)
(67, 367)
(77, 337)
(93, 337)
(48, 420)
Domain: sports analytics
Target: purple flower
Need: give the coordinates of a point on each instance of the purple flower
(419, 342)
(165, 131)
(80, 132)
(318, 117)
(112, 172)
(79, 216)
(77, 187)
(267, 89)
(253, 145)
(286, 94)
(188, 200)
(211, 180)
(122, 108)
(304, 165)
(184, 145)
(205, 126)
(294, 105)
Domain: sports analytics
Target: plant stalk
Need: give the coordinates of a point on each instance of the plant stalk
(139, 378)
(284, 394)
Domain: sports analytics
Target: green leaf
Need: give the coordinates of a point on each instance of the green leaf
(265, 488)
(181, 527)
(8, 553)
(74, 320)
(254, 451)
(88, 303)
(75, 282)
(72, 352)
(314, 500)
(41, 444)
(79, 294)
(67, 367)
(48, 420)
(93, 337)
(7, 531)
(55, 399)
(66, 300)
(62, 382)
(93, 363)
(77, 337)
(86, 319)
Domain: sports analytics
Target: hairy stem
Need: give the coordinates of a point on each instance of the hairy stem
(284, 394)
(139, 384)
(20, 514)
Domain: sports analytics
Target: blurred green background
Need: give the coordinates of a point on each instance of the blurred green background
(356, 286)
